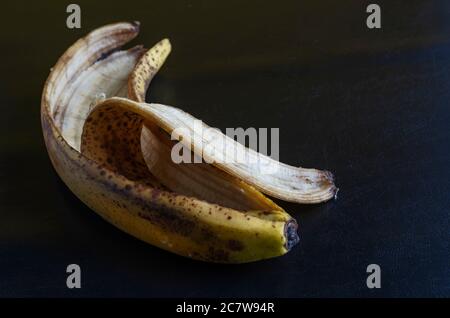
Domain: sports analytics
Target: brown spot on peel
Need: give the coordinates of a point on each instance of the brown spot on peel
(235, 245)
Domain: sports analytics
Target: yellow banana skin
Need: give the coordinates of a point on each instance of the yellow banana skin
(180, 224)
(172, 222)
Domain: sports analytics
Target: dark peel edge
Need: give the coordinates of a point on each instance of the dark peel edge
(290, 232)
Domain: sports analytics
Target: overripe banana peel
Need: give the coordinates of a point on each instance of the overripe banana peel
(113, 151)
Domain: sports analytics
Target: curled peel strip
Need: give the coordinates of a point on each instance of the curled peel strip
(267, 175)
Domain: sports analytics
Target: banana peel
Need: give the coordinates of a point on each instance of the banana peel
(113, 152)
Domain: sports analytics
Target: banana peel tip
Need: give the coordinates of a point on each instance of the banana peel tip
(291, 234)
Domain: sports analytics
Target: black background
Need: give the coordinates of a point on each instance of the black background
(370, 105)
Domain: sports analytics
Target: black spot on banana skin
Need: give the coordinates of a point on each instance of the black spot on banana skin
(235, 245)
(217, 255)
(169, 220)
(207, 234)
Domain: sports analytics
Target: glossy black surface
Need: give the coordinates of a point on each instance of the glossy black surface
(370, 105)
